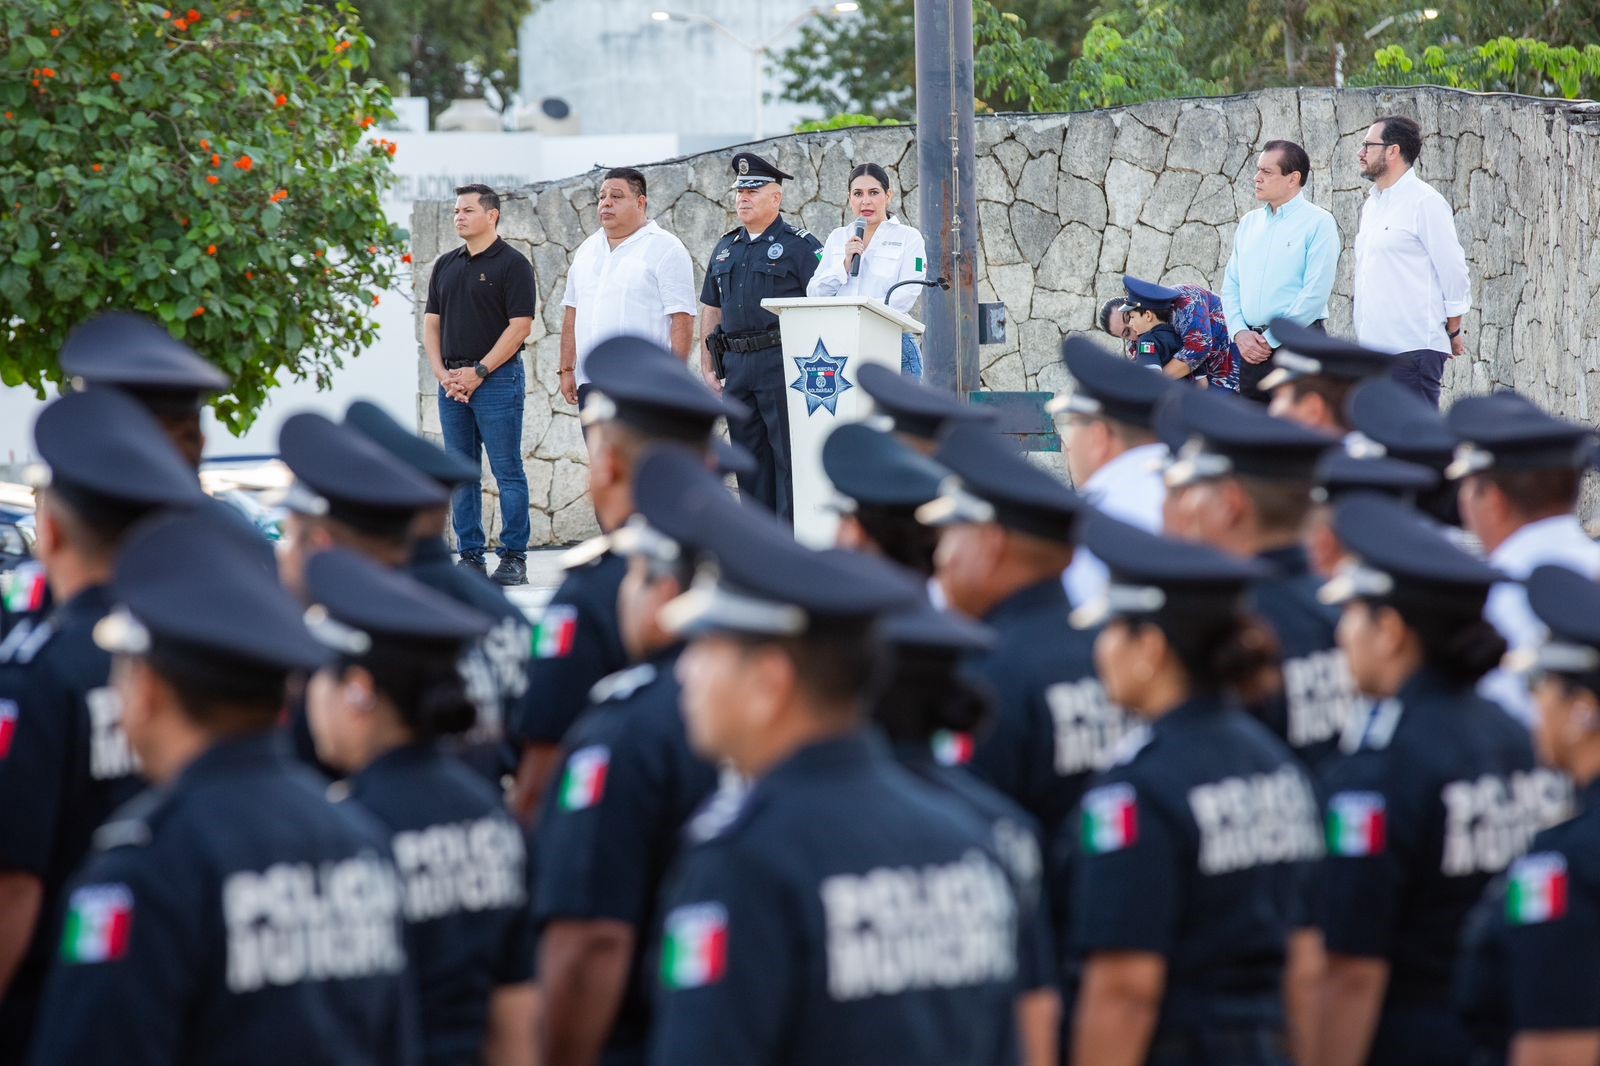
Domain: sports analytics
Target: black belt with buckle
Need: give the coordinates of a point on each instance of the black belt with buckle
(745, 343)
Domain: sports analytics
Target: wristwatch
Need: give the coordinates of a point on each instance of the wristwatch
(1453, 334)
(481, 370)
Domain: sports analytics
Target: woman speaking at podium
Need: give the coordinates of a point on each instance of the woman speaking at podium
(873, 253)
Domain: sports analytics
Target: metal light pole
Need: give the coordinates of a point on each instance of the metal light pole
(759, 50)
(946, 165)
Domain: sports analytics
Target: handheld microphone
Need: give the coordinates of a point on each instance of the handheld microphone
(860, 233)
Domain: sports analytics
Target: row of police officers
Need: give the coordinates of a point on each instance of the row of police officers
(907, 800)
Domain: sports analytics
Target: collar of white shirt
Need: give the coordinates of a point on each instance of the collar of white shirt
(1560, 539)
(1133, 470)
(641, 233)
(1404, 183)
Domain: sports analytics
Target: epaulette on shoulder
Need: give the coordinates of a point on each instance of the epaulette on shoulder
(622, 684)
(720, 815)
(25, 640)
(588, 552)
(1127, 749)
(1373, 729)
(133, 824)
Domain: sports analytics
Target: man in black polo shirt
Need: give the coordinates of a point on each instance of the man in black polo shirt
(480, 310)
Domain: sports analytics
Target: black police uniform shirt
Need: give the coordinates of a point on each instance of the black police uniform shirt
(1053, 725)
(495, 667)
(1531, 951)
(1437, 794)
(1015, 835)
(65, 766)
(235, 917)
(744, 271)
(1157, 346)
(1188, 847)
(1319, 697)
(476, 297)
(464, 877)
(612, 823)
(575, 644)
(846, 915)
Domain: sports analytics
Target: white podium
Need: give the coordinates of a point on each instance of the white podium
(826, 340)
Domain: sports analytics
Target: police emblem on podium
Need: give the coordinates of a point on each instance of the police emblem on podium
(821, 380)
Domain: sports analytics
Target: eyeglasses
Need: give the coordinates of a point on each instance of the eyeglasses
(1374, 144)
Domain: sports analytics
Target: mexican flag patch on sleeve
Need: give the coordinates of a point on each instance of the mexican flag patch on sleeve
(1357, 824)
(694, 946)
(1536, 889)
(556, 632)
(99, 921)
(1110, 819)
(584, 783)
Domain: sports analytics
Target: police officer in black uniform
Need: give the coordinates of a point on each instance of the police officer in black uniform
(627, 784)
(915, 413)
(762, 258)
(880, 484)
(1005, 538)
(1184, 887)
(639, 394)
(495, 666)
(925, 703)
(1313, 374)
(232, 914)
(1530, 967)
(1388, 419)
(1242, 485)
(65, 764)
(1339, 475)
(844, 913)
(1158, 344)
(376, 711)
(1437, 791)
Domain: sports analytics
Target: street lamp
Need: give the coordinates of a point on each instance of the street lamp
(1426, 14)
(758, 50)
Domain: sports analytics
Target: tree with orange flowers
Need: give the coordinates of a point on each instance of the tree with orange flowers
(209, 165)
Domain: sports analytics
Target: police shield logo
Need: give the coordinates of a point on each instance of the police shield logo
(775, 252)
(744, 166)
(821, 380)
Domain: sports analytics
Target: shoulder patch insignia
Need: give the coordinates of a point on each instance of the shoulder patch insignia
(622, 684)
(25, 592)
(1357, 824)
(582, 555)
(556, 632)
(584, 783)
(1536, 889)
(1110, 818)
(952, 749)
(1129, 745)
(718, 813)
(8, 725)
(694, 946)
(99, 921)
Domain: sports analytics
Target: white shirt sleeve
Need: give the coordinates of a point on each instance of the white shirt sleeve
(830, 277)
(1232, 313)
(1436, 225)
(675, 279)
(913, 265)
(570, 297)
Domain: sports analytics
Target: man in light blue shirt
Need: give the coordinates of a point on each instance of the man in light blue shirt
(1283, 263)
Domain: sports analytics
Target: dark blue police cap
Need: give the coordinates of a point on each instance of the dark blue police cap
(1507, 431)
(1147, 295)
(109, 459)
(1338, 474)
(1390, 419)
(357, 605)
(342, 474)
(917, 410)
(1400, 558)
(992, 482)
(138, 355)
(1569, 604)
(1153, 575)
(1226, 436)
(871, 468)
(640, 384)
(731, 458)
(423, 456)
(926, 628)
(1108, 386)
(192, 599)
(1307, 353)
(752, 172)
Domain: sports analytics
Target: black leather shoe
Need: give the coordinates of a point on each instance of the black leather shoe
(513, 570)
(473, 563)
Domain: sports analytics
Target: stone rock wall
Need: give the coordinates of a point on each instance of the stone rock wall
(1069, 203)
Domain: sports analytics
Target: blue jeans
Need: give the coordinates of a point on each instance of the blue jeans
(910, 357)
(490, 422)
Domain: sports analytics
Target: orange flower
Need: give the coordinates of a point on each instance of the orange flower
(393, 148)
(317, 253)
(280, 100)
(181, 25)
(9, 116)
(244, 163)
(198, 311)
(185, 222)
(194, 16)
(406, 258)
(212, 179)
(97, 168)
(375, 301)
(115, 76)
(211, 249)
(54, 32)
(280, 196)
(216, 160)
(205, 145)
(249, 275)
(49, 73)
(342, 46)
(35, 83)
(367, 122)
(166, 14)
(372, 249)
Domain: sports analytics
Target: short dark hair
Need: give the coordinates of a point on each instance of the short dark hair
(1335, 393)
(1404, 134)
(633, 177)
(488, 199)
(1293, 159)
(1537, 492)
(1104, 317)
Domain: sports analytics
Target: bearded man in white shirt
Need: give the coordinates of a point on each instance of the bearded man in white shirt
(628, 277)
(1411, 283)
